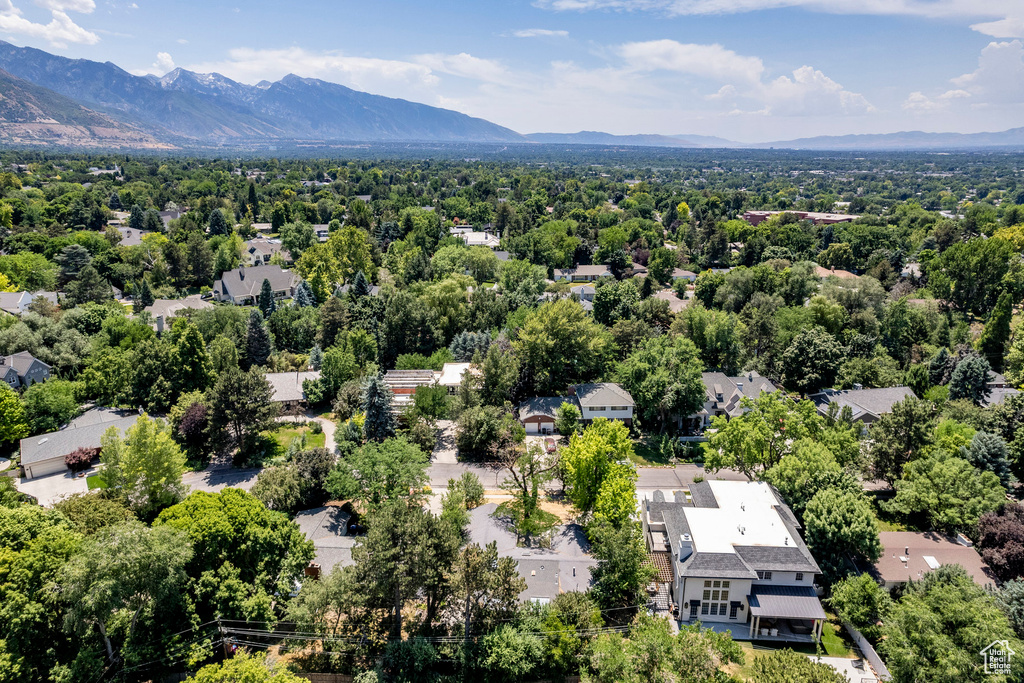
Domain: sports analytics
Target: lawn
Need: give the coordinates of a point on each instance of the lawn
(286, 435)
(833, 644)
(95, 481)
(645, 456)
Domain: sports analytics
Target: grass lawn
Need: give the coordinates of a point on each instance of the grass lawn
(645, 456)
(833, 644)
(285, 435)
(95, 481)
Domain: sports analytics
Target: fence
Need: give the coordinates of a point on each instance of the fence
(869, 652)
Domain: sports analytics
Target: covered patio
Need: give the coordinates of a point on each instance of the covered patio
(785, 612)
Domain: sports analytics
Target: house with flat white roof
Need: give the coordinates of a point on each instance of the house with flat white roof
(731, 552)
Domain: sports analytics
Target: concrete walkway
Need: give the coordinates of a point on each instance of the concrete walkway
(445, 452)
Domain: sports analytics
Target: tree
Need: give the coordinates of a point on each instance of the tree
(218, 223)
(996, 334)
(50, 405)
(379, 423)
(663, 375)
(528, 471)
(142, 296)
(297, 238)
(266, 551)
(279, 488)
(241, 402)
(1010, 599)
(899, 436)
(970, 380)
(378, 472)
(72, 259)
(758, 439)
(360, 285)
(717, 335)
(485, 587)
(499, 374)
(559, 345)
(509, 655)
(988, 452)
(304, 295)
(91, 512)
(136, 218)
(809, 468)
(860, 601)
(266, 302)
(469, 488)
(143, 467)
(127, 567)
(970, 274)
(567, 418)
(838, 524)
(946, 493)
(812, 361)
(622, 572)
(243, 667)
(786, 666)
(88, 286)
(194, 371)
(661, 264)
(316, 357)
(589, 458)
(1001, 540)
(258, 346)
(13, 420)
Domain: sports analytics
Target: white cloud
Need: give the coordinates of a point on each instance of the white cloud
(250, 65)
(1011, 27)
(711, 61)
(164, 64)
(465, 65)
(59, 32)
(810, 92)
(999, 78)
(182, 41)
(540, 33)
(82, 6)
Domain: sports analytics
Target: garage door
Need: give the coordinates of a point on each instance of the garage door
(532, 428)
(45, 467)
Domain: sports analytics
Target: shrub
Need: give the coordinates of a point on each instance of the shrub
(80, 458)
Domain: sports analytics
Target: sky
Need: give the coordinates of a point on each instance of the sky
(747, 70)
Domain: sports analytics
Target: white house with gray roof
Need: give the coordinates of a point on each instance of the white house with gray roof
(242, 286)
(723, 395)
(603, 399)
(732, 554)
(17, 303)
(582, 273)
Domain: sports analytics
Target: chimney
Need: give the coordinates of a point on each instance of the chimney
(572, 390)
(159, 324)
(685, 547)
(312, 570)
(241, 273)
(857, 386)
(739, 386)
(906, 550)
(964, 541)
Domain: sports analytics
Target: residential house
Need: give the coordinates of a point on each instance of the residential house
(327, 527)
(242, 286)
(604, 399)
(163, 310)
(867, 404)
(43, 454)
(450, 376)
(322, 231)
(131, 238)
(998, 389)
(258, 252)
(286, 387)
(403, 383)
(583, 292)
(680, 274)
(22, 369)
(582, 273)
(17, 303)
(730, 553)
(722, 396)
(909, 555)
(478, 239)
(563, 567)
(345, 289)
(538, 414)
(675, 304)
(835, 272)
(818, 218)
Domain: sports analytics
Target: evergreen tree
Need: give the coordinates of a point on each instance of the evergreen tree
(938, 367)
(304, 295)
(90, 286)
(970, 380)
(380, 421)
(199, 258)
(257, 341)
(997, 331)
(360, 285)
(252, 201)
(266, 302)
(193, 365)
(218, 223)
(316, 357)
(137, 218)
(114, 203)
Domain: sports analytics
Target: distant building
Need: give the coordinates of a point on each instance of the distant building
(17, 303)
(867, 404)
(538, 414)
(403, 383)
(605, 399)
(755, 217)
(909, 555)
(242, 286)
(582, 273)
(43, 454)
(163, 310)
(680, 274)
(131, 238)
(23, 370)
(722, 396)
(473, 238)
(823, 272)
(259, 251)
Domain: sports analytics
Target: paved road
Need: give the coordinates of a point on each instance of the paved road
(649, 478)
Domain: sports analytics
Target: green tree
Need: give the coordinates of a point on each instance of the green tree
(946, 493)
(258, 345)
(13, 419)
(194, 371)
(970, 380)
(244, 668)
(717, 335)
(803, 472)
(499, 374)
(297, 238)
(379, 422)
(812, 361)
(838, 524)
(786, 666)
(970, 274)
(589, 458)
(996, 334)
(661, 264)
(664, 377)
(622, 572)
(241, 403)
(144, 466)
(559, 345)
(509, 655)
(88, 286)
(50, 405)
(126, 568)
(266, 302)
(862, 602)
(899, 436)
(379, 471)
(485, 588)
(567, 418)
(200, 260)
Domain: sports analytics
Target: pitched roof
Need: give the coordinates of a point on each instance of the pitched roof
(22, 362)
(863, 402)
(248, 281)
(287, 386)
(602, 394)
(12, 301)
(327, 528)
(725, 393)
(594, 271)
(58, 444)
(786, 602)
(542, 406)
(168, 308)
(941, 549)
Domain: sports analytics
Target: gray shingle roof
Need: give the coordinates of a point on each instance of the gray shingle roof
(248, 281)
(58, 444)
(22, 362)
(602, 394)
(542, 406)
(863, 402)
(287, 386)
(702, 495)
(327, 528)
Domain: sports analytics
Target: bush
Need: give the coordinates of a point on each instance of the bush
(316, 427)
(80, 458)
(469, 486)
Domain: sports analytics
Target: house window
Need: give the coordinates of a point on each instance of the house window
(618, 408)
(707, 584)
(707, 595)
(725, 595)
(725, 584)
(693, 609)
(714, 609)
(718, 584)
(598, 409)
(799, 576)
(714, 595)
(732, 610)
(764, 576)
(704, 608)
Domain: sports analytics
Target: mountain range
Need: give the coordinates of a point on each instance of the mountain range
(46, 99)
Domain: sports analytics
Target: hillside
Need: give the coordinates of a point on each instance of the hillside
(33, 115)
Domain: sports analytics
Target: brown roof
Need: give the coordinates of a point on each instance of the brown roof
(838, 272)
(920, 547)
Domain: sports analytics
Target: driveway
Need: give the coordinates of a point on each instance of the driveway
(445, 451)
(217, 477)
(51, 489)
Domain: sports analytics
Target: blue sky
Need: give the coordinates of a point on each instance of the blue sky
(750, 70)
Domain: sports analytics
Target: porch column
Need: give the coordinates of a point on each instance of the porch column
(817, 630)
